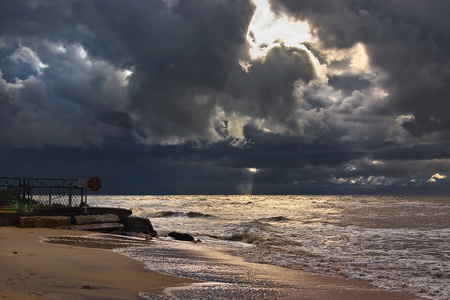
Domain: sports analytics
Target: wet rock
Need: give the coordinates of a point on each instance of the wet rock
(181, 236)
(139, 225)
(130, 233)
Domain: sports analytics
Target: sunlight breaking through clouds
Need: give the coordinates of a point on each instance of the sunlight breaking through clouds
(246, 184)
(268, 30)
(260, 93)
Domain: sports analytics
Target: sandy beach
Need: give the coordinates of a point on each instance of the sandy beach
(30, 269)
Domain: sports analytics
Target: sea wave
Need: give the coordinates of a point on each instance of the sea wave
(275, 219)
(152, 213)
(169, 213)
(389, 258)
(254, 232)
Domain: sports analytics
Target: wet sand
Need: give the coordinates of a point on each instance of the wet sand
(48, 271)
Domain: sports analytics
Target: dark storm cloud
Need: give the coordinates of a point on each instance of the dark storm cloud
(267, 92)
(84, 50)
(165, 97)
(410, 41)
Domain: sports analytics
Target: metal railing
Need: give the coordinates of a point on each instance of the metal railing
(11, 195)
(40, 194)
(51, 194)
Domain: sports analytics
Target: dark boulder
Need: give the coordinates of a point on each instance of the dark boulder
(139, 224)
(181, 236)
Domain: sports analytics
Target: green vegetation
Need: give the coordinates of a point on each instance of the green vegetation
(10, 200)
(5, 223)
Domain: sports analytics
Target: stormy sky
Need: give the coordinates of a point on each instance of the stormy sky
(228, 96)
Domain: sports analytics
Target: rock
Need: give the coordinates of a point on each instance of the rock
(51, 222)
(93, 219)
(147, 237)
(181, 236)
(116, 228)
(86, 287)
(27, 222)
(130, 233)
(140, 225)
(120, 212)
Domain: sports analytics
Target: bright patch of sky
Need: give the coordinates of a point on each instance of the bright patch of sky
(436, 176)
(268, 30)
(361, 180)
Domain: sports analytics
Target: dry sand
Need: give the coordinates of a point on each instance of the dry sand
(30, 269)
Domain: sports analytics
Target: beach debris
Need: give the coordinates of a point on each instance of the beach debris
(140, 225)
(86, 287)
(181, 236)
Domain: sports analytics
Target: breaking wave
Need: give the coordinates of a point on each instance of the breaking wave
(254, 232)
(275, 219)
(169, 213)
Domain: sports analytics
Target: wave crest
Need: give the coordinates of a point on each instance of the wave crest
(254, 232)
(191, 214)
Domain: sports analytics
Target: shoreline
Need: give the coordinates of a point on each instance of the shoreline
(46, 271)
(31, 269)
(227, 276)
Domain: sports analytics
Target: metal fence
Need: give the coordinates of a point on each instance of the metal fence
(50, 194)
(11, 194)
(40, 194)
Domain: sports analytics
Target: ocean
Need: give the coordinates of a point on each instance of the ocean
(397, 243)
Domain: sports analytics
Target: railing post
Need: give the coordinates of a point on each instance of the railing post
(85, 201)
(22, 206)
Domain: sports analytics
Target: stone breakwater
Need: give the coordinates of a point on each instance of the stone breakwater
(103, 220)
(104, 223)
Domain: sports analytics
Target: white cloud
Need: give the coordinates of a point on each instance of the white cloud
(436, 176)
(361, 180)
(271, 30)
(26, 55)
(245, 65)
